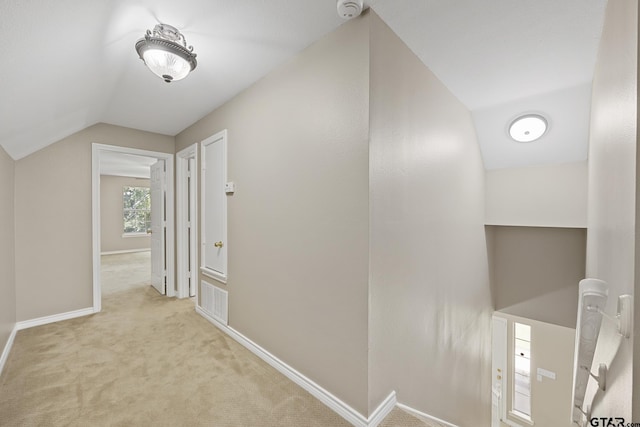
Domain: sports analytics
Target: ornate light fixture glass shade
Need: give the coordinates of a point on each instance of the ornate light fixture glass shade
(164, 51)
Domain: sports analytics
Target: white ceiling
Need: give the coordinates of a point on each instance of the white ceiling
(566, 140)
(71, 63)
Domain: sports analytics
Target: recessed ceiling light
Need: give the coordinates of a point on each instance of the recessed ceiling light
(528, 127)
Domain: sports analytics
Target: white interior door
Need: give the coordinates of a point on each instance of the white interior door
(187, 221)
(214, 206)
(158, 222)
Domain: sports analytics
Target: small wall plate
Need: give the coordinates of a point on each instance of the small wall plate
(229, 188)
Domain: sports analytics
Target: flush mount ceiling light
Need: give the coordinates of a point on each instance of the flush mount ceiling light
(164, 51)
(528, 127)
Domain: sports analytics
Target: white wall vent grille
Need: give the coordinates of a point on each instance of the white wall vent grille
(215, 302)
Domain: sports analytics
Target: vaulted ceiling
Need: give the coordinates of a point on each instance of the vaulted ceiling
(69, 64)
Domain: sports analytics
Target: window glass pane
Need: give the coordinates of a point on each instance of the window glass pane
(522, 403)
(523, 331)
(522, 366)
(137, 209)
(523, 348)
(522, 384)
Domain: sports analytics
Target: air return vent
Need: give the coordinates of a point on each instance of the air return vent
(215, 302)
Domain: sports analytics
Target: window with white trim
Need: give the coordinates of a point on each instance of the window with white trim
(136, 212)
(521, 403)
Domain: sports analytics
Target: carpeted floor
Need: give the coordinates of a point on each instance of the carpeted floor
(120, 272)
(147, 360)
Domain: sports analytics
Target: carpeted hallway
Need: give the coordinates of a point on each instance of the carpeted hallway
(147, 360)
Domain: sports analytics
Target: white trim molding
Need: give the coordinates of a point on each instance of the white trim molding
(419, 414)
(382, 410)
(7, 348)
(137, 234)
(127, 251)
(25, 324)
(338, 406)
(212, 274)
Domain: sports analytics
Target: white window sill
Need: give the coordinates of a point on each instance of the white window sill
(520, 417)
(125, 235)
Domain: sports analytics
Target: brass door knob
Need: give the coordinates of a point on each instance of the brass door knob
(218, 244)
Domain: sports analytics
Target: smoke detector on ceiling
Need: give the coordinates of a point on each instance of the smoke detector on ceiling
(348, 9)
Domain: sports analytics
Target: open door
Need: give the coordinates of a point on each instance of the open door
(158, 228)
(187, 221)
(192, 222)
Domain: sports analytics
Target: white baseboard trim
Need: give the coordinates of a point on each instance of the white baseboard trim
(335, 404)
(128, 251)
(25, 324)
(419, 414)
(382, 410)
(7, 348)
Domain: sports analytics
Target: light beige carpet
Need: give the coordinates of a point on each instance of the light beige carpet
(148, 360)
(119, 272)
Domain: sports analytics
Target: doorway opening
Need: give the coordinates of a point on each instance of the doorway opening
(154, 220)
(121, 272)
(125, 222)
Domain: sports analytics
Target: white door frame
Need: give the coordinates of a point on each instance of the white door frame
(96, 150)
(499, 372)
(186, 246)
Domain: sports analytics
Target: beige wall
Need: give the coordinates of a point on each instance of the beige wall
(53, 219)
(7, 271)
(538, 196)
(613, 192)
(298, 221)
(535, 271)
(430, 302)
(111, 219)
